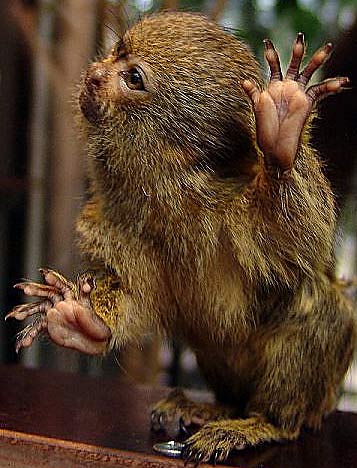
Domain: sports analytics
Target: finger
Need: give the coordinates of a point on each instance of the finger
(23, 311)
(273, 60)
(41, 290)
(26, 336)
(296, 58)
(330, 86)
(319, 57)
(65, 286)
(85, 285)
(252, 91)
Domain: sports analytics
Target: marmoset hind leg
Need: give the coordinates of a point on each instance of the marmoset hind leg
(303, 361)
(177, 413)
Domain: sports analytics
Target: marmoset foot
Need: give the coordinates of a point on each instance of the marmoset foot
(215, 440)
(64, 311)
(282, 109)
(177, 413)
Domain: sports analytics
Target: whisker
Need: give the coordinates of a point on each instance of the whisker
(114, 14)
(112, 30)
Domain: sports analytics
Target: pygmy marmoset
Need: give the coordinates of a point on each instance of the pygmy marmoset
(209, 218)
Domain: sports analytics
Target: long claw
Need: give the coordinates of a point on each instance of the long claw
(194, 457)
(85, 285)
(190, 455)
(200, 456)
(26, 336)
(296, 58)
(182, 427)
(153, 416)
(189, 459)
(23, 311)
(41, 290)
(87, 278)
(53, 278)
(326, 88)
(216, 457)
(319, 57)
(273, 60)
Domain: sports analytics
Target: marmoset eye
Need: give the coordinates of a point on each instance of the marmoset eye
(133, 79)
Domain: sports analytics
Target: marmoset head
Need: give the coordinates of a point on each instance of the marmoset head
(174, 78)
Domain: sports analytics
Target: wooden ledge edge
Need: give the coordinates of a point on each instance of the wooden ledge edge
(87, 451)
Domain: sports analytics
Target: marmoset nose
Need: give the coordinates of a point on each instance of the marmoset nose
(97, 74)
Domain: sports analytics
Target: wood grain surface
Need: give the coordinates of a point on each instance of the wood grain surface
(61, 420)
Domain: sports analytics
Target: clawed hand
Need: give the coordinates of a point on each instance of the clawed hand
(282, 110)
(64, 311)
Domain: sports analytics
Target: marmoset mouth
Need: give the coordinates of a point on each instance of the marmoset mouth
(91, 107)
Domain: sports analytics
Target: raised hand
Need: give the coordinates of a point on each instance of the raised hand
(282, 109)
(64, 311)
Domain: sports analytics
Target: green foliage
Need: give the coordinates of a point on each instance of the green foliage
(280, 20)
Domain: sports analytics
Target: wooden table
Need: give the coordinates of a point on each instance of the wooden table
(57, 420)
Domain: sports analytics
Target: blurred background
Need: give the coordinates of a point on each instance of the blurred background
(44, 47)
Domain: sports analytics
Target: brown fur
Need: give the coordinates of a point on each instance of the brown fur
(196, 236)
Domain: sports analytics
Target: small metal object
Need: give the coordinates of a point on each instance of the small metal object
(169, 449)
